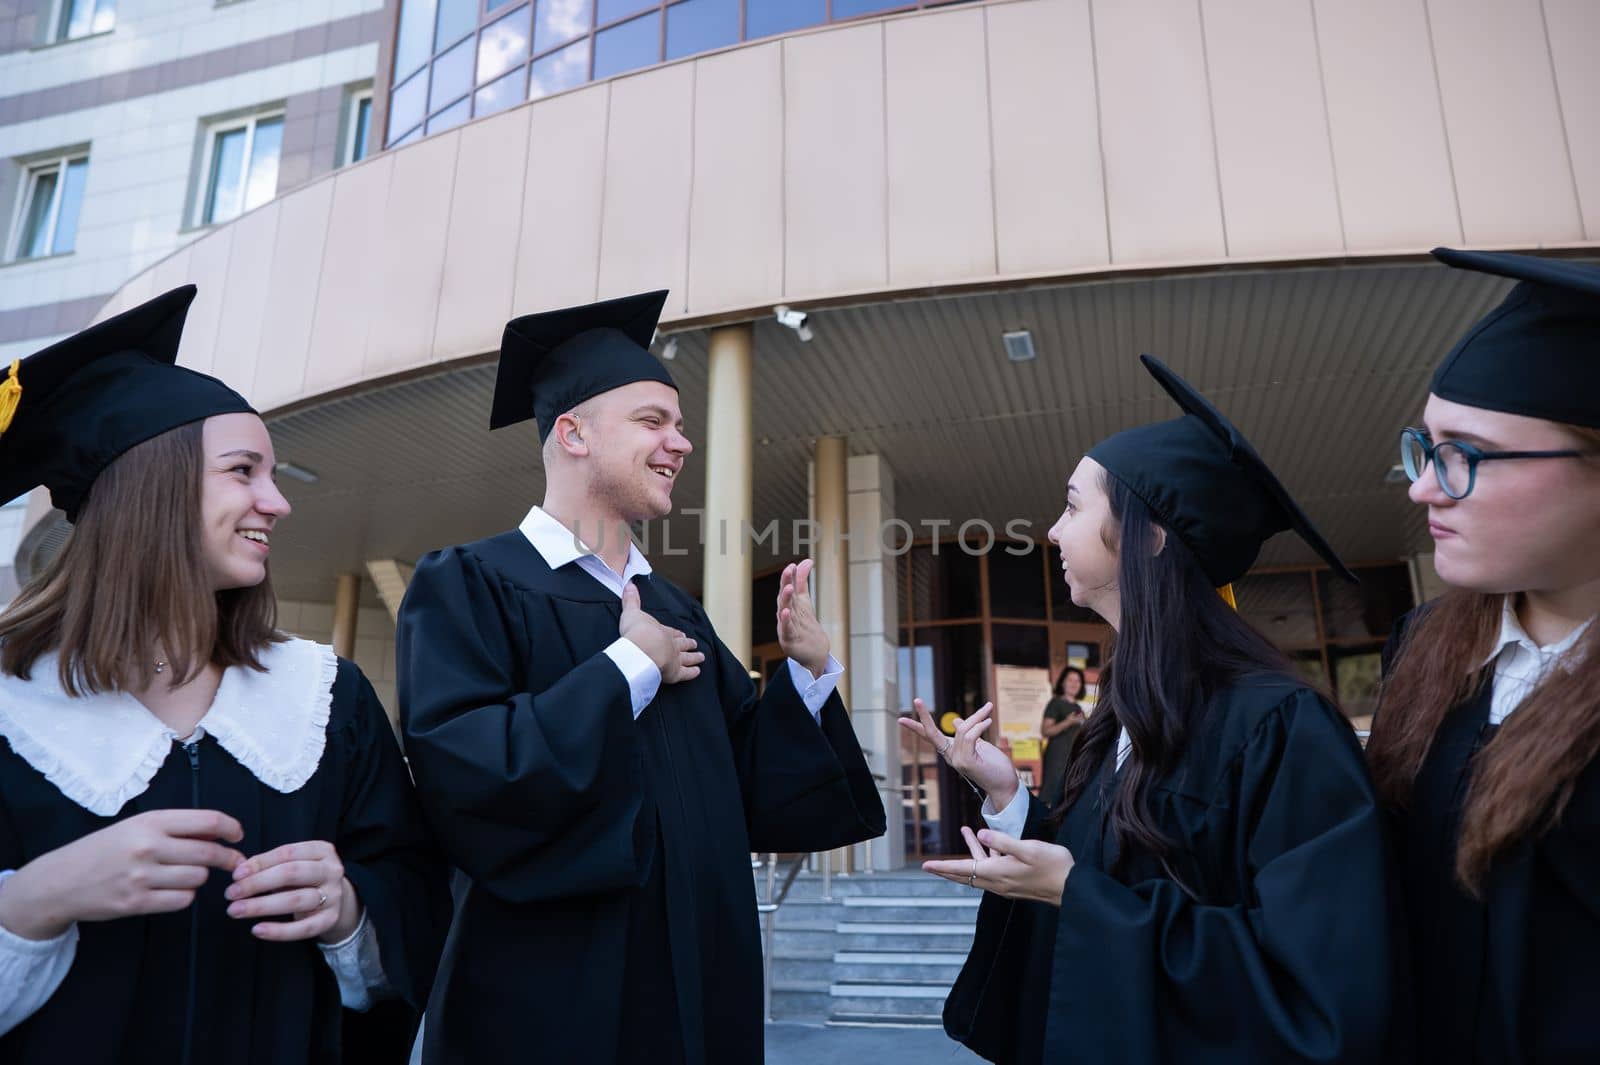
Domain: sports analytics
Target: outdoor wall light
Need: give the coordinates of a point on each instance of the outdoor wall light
(790, 318)
(299, 473)
(669, 350)
(1019, 345)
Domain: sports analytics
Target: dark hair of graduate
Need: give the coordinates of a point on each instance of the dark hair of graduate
(1179, 642)
(1059, 688)
(1521, 783)
(132, 574)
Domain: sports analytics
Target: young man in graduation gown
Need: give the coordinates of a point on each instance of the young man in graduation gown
(597, 764)
(1486, 745)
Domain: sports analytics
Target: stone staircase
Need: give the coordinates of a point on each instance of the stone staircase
(883, 951)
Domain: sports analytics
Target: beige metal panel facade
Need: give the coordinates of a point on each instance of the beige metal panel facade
(941, 201)
(1396, 186)
(558, 250)
(480, 258)
(644, 231)
(1155, 127)
(1506, 136)
(1049, 182)
(411, 257)
(835, 172)
(208, 267)
(1573, 27)
(351, 275)
(1273, 154)
(292, 295)
(243, 295)
(736, 210)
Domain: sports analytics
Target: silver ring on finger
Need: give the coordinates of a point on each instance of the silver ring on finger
(972, 881)
(322, 897)
(944, 752)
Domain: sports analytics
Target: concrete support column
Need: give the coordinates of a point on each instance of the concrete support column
(726, 591)
(830, 580)
(346, 608)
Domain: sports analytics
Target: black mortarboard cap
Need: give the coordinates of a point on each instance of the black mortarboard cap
(1206, 484)
(81, 402)
(553, 361)
(1538, 353)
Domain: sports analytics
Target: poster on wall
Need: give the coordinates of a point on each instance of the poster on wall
(1020, 695)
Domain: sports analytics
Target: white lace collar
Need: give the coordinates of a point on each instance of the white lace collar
(102, 750)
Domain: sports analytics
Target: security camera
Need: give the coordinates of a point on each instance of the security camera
(789, 317)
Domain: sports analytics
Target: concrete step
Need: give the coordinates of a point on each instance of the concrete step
(895, 936)
(898, 1000)
(915, 967)
(801, 913)
(884, 1020)
(924, 885)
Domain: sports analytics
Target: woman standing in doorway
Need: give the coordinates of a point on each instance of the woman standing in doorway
(1189, 899)
(1487, 743)
(208, 836)
(1062, 719)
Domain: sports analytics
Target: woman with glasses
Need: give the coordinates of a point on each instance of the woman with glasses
(1487, 743)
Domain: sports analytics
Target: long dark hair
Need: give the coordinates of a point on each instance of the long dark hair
(132, 574)
(1179, 643)
(1059, 690)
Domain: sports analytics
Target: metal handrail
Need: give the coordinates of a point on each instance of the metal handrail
(768, 910)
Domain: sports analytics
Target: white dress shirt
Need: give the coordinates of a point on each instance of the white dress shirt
(560, 546)
(1519, 663)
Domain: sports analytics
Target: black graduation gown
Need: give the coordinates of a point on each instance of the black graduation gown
(1282, 955)
(1513, 979)
(195, 987)
(607, 910)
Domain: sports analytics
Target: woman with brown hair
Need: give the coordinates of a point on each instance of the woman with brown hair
(208, 838)
(1487, 744)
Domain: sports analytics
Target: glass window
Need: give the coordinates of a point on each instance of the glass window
(559, 71)
(851, 8)
(242, 168)
(627, 47)
(763, 18)
(1365, 611)
(1356, 672)
(457, 18)
(80, 18)
(452, 76)
(559, 21)
(504, 44)
(1016, 584)
(764, 623)
(414, 44)
(499, 95)
(414, 135)
(696, 26)
(944, 583)
(406, 105)
(1279, 606)
(495, 5)
(358, 123)
(612, 10)
(450, 117)
(52, 198)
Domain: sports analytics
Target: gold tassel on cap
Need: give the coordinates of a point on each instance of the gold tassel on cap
(1226, 591)
(10, 396)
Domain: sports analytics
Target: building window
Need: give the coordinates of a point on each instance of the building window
(240, 168)
(357, 122)
(82, 18)
(47, 217)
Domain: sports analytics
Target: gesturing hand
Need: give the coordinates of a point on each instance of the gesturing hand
(305, 881)
(672, 651)
(980, 761)
(1028, 869)
(149, 863)
(800, 635)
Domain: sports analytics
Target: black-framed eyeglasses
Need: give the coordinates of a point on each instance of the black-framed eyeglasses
(1455, 464)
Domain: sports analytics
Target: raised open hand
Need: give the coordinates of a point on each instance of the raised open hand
(800, 634)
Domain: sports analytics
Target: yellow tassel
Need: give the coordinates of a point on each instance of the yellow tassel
(10, 396)
(1226, 591)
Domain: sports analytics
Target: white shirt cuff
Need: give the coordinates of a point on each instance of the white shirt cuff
(357, 964)
(814, 691)
(1013, 819)
(31, 970)
(643, 678)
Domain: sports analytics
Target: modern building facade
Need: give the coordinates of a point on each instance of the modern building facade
(912, 257)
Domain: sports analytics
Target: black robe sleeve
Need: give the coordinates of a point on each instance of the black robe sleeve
(806, 788)
(1298, 971)
(534, 796)
(398, 873)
